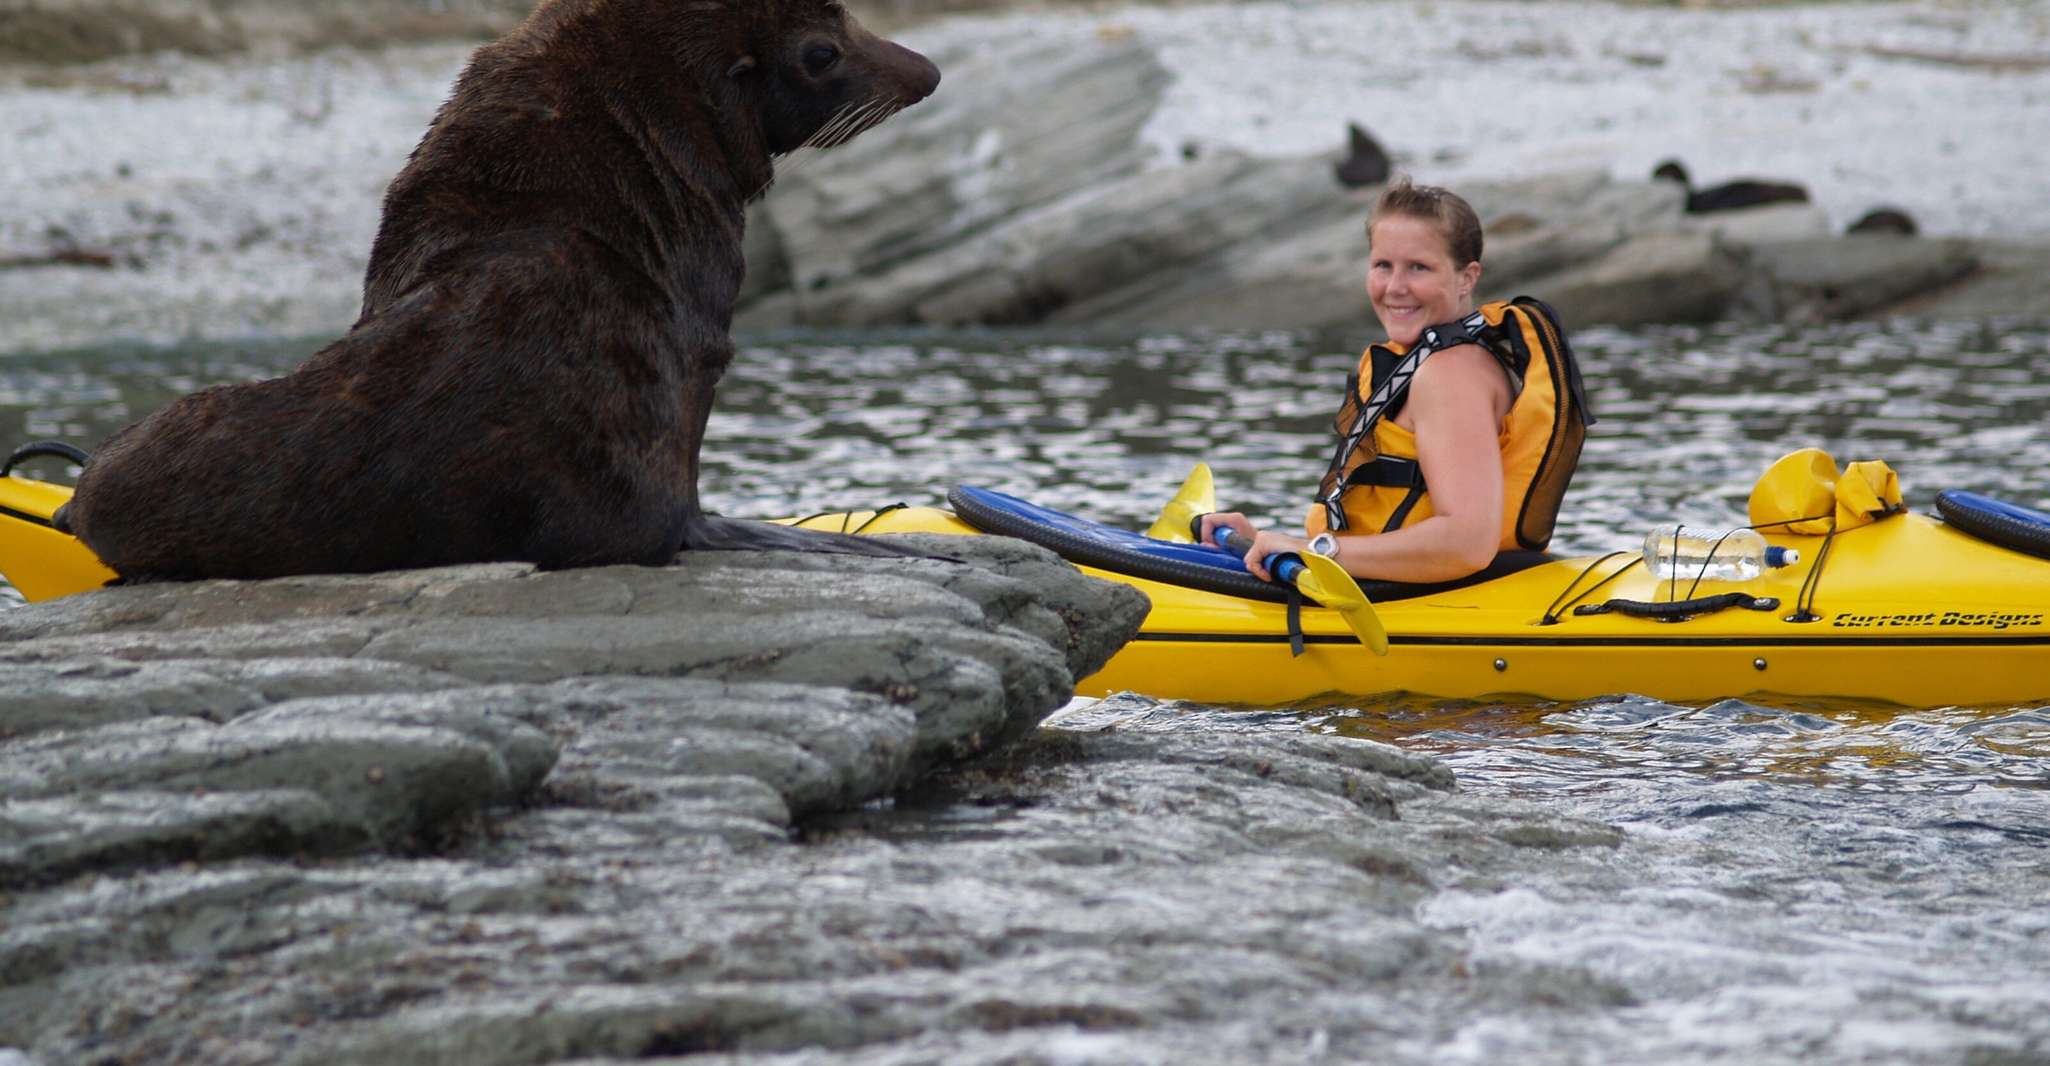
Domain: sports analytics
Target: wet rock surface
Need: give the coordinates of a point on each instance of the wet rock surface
(1094, 895)
(706, 873)
(329, 714)
(745, 808)
(150, 735)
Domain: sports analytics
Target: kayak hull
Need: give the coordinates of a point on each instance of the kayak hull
(1263, 672)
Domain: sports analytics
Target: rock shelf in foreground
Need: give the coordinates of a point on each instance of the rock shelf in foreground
(326, 715)
(772, 807)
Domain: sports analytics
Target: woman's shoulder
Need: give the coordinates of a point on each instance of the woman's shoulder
(1459, 361)
(1462, 370)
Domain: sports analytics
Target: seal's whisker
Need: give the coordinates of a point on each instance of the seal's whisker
(859, 120)
(884, 111)
(813, 140)
(796, 160)
(836, 132)
(872, 117)
(877, 112)
(822, 137)
(853, 124)
(845, 124)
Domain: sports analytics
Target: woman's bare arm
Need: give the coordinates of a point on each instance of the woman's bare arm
(1457, 403)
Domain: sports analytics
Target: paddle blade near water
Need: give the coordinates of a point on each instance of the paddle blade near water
(1327, 582)
(1197, 497)
(1322, 580)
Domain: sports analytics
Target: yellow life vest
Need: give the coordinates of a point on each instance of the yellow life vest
(1375, 484)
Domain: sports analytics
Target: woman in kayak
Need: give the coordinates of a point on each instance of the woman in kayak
(1461, 431)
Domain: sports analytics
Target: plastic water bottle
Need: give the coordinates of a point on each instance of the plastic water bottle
(1685, 553)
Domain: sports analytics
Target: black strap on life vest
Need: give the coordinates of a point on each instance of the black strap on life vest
(1394, 472)
(1388, 471)
(1388, 390)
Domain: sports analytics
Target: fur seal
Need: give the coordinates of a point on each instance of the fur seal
(1729, 196)
(1884, 220)
(1365, 162)
(544, 317)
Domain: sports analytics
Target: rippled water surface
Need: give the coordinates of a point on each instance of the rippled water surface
(1837, 881)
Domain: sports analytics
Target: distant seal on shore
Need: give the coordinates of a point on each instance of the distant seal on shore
(1731, 195)
(1365, 162)
(1884, 220)
(544, 318)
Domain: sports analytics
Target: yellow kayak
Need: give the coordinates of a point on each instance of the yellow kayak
(1911, 610)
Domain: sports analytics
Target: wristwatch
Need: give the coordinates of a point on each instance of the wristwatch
(1325, 544)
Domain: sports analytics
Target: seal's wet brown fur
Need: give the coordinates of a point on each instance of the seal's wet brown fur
(544, 318)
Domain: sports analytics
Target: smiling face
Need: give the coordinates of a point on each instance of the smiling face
(1412, 280)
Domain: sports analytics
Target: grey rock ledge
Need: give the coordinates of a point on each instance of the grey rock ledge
(324, 715)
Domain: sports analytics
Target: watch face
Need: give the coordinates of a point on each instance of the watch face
(1324, 544)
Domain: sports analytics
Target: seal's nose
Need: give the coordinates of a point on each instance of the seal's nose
(915, 74)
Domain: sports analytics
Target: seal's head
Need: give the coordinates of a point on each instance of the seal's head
(819, 78)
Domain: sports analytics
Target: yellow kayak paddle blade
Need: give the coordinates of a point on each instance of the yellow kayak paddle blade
(1198, 496)
(1327, 582)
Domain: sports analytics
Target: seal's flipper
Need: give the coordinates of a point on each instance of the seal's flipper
(716, 533)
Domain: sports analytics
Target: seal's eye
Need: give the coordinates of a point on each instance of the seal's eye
(819, 58)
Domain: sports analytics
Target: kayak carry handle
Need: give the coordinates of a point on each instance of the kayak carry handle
(40, 448)
(1681, 610)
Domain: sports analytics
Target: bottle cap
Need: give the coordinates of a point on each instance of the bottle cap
(1777, 556)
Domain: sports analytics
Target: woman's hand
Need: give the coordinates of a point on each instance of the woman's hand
(1265, 543)
(1221, 519)
(1270, 544)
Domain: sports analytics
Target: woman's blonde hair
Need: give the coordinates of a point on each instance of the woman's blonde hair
(1453, 216)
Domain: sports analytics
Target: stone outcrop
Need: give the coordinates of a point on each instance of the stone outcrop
(979, 210)
(83, 31)
(1806, 280)
(325, 715)
(777, 807)
(1033, 189)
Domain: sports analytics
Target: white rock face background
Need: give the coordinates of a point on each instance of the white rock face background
(237, 196)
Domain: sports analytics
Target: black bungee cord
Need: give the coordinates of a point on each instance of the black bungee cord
(1551, 616)
(1811, 586)
(847, 518)
(1804, 602)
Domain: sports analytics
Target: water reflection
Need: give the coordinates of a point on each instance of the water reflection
(1536, 747)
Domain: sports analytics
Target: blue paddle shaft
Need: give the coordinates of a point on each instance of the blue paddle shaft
(1287, 566)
